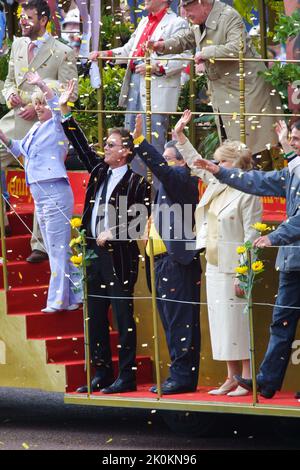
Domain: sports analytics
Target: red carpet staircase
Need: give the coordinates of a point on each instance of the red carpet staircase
(63, 331)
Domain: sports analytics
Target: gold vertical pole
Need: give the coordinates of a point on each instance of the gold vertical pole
(2, 229)
(192, 102)
(100, 102)
(242, 92)
(148, 106)
(263, 28)
(251, 333)
(155, 319)
(86, 318)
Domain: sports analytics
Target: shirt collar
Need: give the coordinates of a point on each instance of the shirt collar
(120, 171)
(157, 16)
(41, 40)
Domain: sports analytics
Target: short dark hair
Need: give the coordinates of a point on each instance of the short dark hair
(127, 140)
(41, 6)
(296, 124)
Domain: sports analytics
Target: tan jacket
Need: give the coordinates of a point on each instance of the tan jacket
(224, 28)
(165, 89)
(54, 61)
(235, 217)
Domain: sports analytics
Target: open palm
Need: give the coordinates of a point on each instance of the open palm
(67, 95)
(183, 121)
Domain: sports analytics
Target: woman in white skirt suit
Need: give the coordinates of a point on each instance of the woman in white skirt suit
(224, 218)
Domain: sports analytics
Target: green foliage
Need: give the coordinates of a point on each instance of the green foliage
(114, 29)
(244, 7)
(112, 82)
(4, 59)
(280, 76)
(287, 27)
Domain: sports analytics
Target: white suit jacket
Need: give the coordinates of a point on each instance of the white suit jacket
(165, 90)
(235, 218)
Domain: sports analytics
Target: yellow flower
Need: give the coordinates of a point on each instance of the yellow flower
(260, 227)
(258, 266)
(241, 269)
(76, 260)
(75, 241)
(240, 250)
(75, 222)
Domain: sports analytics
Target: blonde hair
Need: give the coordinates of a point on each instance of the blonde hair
(38, 95)
(236, 152)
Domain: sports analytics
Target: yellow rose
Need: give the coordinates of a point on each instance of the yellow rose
(258, 266)
(75, 222)
(241, 250)
(241, 269)
(76, 260)
(260, 227)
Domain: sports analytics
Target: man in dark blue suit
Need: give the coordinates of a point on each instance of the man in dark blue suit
(177, 265)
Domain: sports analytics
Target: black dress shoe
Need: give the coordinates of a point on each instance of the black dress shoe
(172, 387)
(120, 386)
(297, 395)
(37, 256)
(248, 385)
(96, 384)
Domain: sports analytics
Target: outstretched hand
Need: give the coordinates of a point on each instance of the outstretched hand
(183, 121)
(207, 165)
(282, 131)
(67, 95)
(138, 130)
(33, 78)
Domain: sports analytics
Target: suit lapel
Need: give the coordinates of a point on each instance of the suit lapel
(46, 51)
(234, 194)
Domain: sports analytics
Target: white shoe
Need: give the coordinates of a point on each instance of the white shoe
(49, 310)
(238, 392)
(227, 386)
(72, 307)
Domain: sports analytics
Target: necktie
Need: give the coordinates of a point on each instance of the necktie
(100, 218)
(31, 48)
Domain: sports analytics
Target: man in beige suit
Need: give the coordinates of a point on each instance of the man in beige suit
(217, 31)
(55, 62)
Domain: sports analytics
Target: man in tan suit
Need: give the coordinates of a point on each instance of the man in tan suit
(55, 62)
(217, 31)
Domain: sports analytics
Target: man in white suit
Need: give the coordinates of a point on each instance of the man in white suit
(55, 62)
(160, 23)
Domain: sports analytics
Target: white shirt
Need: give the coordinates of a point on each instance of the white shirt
(116, 176)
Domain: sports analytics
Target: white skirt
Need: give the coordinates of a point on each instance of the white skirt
(228, 324)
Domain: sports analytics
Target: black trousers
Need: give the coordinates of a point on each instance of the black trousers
(181, 321)
(104, 289)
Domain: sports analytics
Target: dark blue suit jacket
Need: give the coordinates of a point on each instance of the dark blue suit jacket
(178, 190)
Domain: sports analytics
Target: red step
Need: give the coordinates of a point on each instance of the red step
(21, 273)
(41, 325)
(76, 375)
(64, 349)
(25, 300)
(20, 222)
(17, 247)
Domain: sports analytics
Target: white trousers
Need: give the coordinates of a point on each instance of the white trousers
(54, 204)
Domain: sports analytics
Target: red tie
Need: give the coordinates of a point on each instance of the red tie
(31, 48)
